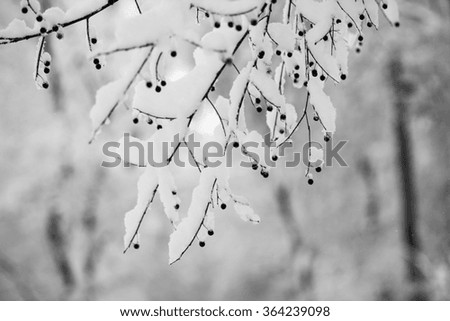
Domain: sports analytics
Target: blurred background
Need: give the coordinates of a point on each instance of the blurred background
(376, 230)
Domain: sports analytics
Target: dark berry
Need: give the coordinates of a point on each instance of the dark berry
(264, 173)
(305, 84)
(217, 24)
(358, 50)
(259, 109)
(55, 28)
(223, 206)
(350, 25)
(362, 17)
(210, 232)
(384, 6)
(255, 166)
(325, 38)
(94, 41)
(253, 22)
(163, 83)
(316, 118)
(369, 24)
(261, 54)
(149, 84)
(274, 1)
(236, 144)
(98, 66)
(150, 121)
(24, 10)
(46, 70)
(136, 246)
(360, 38)
(297, 67)
(238, 28)
(136, 120)
(213, 89)
(314, 73)
(202, 243)
(338, 21)
(289, 54)
(278, 52)
(47, 63)
(158, 89)
(269, 108)
(281, 131)
(43, 30)
(310, 181)
(274, 158)
(318, 169)
(173, 54)
(326, 138)
(45, 85)
(159, 127)
(397, 24)
(301, 33)
(59, 35)
(311, 63)
(174, 193)
(39, 18)
(283, 117)
(177, 207)
(96, 61)
(230, 24)
(322, 77)
(343, 76)
(257, 100)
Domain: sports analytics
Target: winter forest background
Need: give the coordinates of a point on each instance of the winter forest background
(61, 214)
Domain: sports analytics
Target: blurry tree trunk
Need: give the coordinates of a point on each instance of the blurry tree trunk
(301, 256)
(58, 244)
(56, 231)
(16, 278)
(373, 204)
(94, 243)
(405, 164)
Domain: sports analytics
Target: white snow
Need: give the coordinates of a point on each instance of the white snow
(323, 105)
(147, 184)
(245, 212)
(185, 232)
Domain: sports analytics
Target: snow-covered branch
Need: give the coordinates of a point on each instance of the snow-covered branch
(303, 48)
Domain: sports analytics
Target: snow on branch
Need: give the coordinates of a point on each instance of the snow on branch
(286, 45)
